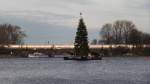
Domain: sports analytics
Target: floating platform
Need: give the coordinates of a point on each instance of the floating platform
(82, 59)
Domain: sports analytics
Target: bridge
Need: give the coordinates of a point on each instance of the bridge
(63, 46)
(51, 49)
(60, 49)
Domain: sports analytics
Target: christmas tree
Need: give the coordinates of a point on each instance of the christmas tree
(81, 48)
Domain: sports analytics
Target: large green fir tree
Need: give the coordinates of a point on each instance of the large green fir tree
(81, 48)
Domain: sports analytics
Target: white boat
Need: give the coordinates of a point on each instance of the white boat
(37, 55)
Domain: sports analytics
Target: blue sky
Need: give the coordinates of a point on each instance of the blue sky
(56, 20)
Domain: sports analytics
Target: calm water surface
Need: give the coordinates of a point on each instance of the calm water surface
(113, 70)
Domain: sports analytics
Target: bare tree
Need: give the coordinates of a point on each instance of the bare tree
(121, 31)
(118, 32)
(11, 34)
(128, 26)
(106, 33)
(135, 37)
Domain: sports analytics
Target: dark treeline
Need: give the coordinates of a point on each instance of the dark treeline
(122, 32)
(11, 34)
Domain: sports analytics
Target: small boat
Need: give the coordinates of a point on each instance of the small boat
(37, 55)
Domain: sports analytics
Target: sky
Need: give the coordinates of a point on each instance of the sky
(56, 20)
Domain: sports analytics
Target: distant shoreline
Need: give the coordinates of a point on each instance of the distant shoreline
(13, 56)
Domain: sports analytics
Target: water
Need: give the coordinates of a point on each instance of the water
(114, 70)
